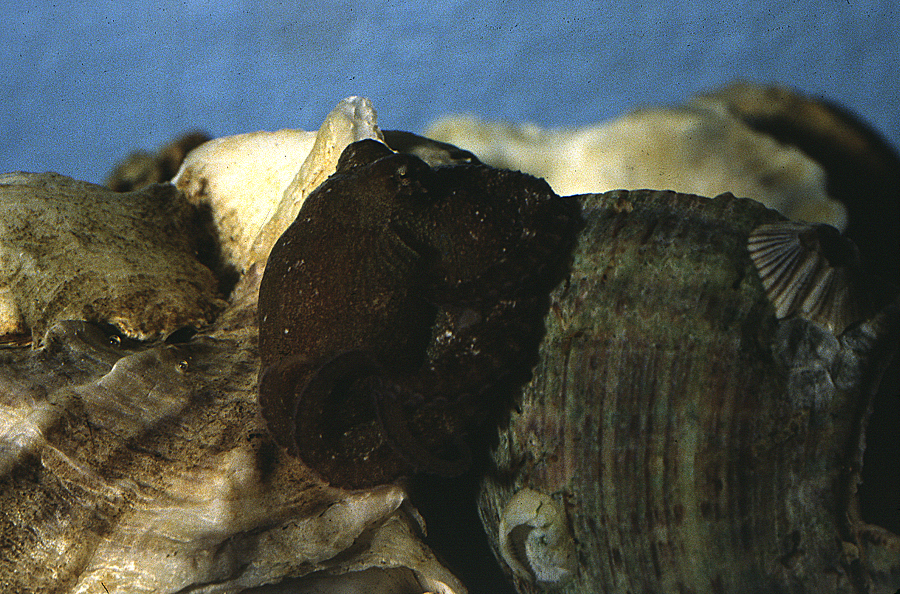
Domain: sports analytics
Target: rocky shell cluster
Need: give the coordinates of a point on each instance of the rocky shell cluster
(133, 456)
(695, 419)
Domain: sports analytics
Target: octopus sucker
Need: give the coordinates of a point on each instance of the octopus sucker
(394, 422)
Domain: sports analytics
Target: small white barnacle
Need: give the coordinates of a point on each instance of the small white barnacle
(808, 270)
(809, 352)
(535, 540)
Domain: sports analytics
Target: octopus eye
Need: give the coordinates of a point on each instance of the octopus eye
(410, 176)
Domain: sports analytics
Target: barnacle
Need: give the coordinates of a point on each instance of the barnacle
(808, 270)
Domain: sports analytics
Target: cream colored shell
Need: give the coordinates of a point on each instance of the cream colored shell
(71, 250)
(255, 183)
(693, 149)
(534, 539)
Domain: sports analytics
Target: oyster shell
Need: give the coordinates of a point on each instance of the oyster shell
(692, 149)
(255, 183)
(74, 250)
(127, 467)
(695, 442)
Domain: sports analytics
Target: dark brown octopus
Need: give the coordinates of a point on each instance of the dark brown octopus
(400, 306)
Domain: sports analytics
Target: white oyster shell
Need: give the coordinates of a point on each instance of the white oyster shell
(255, 183)
(136, 468)
(242, 178)
(696, 149)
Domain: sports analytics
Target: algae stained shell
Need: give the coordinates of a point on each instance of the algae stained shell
(668, 421)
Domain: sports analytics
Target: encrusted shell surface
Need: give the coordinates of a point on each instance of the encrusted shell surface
(74, 250)
(146, 468)
(695, 442)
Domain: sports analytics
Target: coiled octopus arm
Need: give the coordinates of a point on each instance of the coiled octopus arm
(399, 306)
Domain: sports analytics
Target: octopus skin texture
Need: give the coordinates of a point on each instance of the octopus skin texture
(402, 308)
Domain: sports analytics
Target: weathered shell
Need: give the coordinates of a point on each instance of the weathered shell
(255, 183)
(693, 149)
(695, 442)
(74, 250)
(147, 468)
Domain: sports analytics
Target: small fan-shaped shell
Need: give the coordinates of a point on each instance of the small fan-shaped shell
(807, 270)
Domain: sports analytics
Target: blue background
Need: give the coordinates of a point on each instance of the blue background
(84, 84)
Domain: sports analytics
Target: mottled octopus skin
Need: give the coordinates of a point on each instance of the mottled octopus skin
(399, 307)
